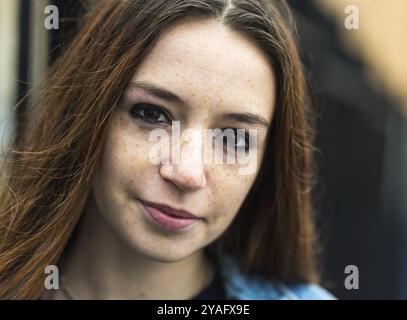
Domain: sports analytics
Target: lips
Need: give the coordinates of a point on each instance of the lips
(167, 217)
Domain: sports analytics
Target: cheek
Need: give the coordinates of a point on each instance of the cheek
(125, 158)
(229, 191)
(124, 169)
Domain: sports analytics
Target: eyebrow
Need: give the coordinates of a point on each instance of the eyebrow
(166, 95)
(248, 118)
(158, 92)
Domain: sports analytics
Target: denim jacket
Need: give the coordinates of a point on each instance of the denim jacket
(241, 287)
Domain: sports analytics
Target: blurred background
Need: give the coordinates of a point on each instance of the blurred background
(358, 81)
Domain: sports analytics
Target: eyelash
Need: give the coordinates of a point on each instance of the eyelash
(138, 110)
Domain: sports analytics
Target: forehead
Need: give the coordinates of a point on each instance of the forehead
(208, 64)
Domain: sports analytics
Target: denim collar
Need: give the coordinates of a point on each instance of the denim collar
(241, 287)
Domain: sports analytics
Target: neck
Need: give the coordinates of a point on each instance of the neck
(99, 265)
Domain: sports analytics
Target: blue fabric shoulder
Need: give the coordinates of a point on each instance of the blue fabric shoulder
(241, 287)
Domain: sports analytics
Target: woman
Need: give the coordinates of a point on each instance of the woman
(83, 193)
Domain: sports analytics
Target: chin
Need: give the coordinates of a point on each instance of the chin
(167, 256)
(161, 250)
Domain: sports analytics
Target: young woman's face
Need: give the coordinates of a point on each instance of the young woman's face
(223, 81)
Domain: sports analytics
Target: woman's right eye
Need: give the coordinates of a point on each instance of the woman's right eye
(150, 113)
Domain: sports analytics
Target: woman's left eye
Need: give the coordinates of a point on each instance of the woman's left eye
(240, 139)
(150, 113)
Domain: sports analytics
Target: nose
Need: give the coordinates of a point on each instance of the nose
(186, 170)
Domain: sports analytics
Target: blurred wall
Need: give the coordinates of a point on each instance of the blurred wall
(381, 40)
(8, 66)
(357, 79)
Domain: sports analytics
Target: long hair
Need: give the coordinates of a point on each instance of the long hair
(50, 164)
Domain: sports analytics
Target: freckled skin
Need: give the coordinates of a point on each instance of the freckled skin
(216, 71)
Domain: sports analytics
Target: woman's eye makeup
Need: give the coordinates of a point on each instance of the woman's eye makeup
(150, 113)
